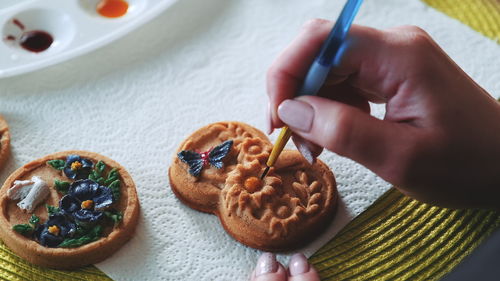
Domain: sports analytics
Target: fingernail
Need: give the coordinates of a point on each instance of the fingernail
(269, 120)
(296, 114)
(303, 148)
(266, 264)
(298, 265)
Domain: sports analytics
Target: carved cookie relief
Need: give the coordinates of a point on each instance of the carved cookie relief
(285, 210)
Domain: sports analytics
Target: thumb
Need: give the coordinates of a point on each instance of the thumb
(348, 131)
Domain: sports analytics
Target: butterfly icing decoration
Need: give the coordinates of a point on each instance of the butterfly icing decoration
(196, 161)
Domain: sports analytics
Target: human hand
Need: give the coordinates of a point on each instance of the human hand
(439, 141)
(268, 269)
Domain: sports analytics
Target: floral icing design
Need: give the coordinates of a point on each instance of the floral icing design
(239, 198)
(86, 200)
(85, 209)
(276, 204)
(77, 168)
(53, 232)
(196, 161)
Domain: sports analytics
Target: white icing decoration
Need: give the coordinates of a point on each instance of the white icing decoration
(30, 192)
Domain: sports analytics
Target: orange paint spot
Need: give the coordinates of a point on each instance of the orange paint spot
(76, 165)
(54, 230)
(253, 184)
(112, 8)
(87, 204)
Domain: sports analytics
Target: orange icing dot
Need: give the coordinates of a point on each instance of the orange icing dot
(54, 230)
(76, 165)
(253, 184)
(112, 8)
(87, 204)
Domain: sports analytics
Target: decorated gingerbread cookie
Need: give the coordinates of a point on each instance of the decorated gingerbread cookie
(68, 209)
(4, 141)
(217, 170)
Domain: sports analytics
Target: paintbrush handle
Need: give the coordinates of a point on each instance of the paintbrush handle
(330, 52)
(279, 145)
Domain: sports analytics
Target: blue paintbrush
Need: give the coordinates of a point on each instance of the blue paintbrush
(315, 78)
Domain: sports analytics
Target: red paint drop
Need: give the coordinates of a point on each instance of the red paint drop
(36, 41)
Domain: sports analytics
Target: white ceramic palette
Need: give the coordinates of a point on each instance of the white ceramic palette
(75, 26)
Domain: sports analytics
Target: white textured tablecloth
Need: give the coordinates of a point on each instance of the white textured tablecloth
(200, 62)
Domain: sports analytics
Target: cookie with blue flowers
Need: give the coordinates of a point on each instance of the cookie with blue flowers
(217, 170)
(68, 209)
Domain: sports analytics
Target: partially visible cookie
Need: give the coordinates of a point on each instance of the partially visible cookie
(68, 209)
(285, 210)
(4, 141)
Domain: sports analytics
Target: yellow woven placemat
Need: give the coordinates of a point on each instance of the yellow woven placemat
(401, 239)
(481, 15)
(396, 238)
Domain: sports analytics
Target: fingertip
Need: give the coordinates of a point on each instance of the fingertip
(308, 149)
(311, 275)
(279, 275)
(300, 269)
(296, 114)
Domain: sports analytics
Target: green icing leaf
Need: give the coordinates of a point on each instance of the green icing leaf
(34, 220)
(52, 209)
(108, 182)
(115, 188)
(96, 231)
(113, 173)
(62, 186)
(57, 164)
(115, 216)
(112, 176)
(100, 180)
(76, 242)
(96, 176)
(90, 236)
(23, 229)
(99, 167)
